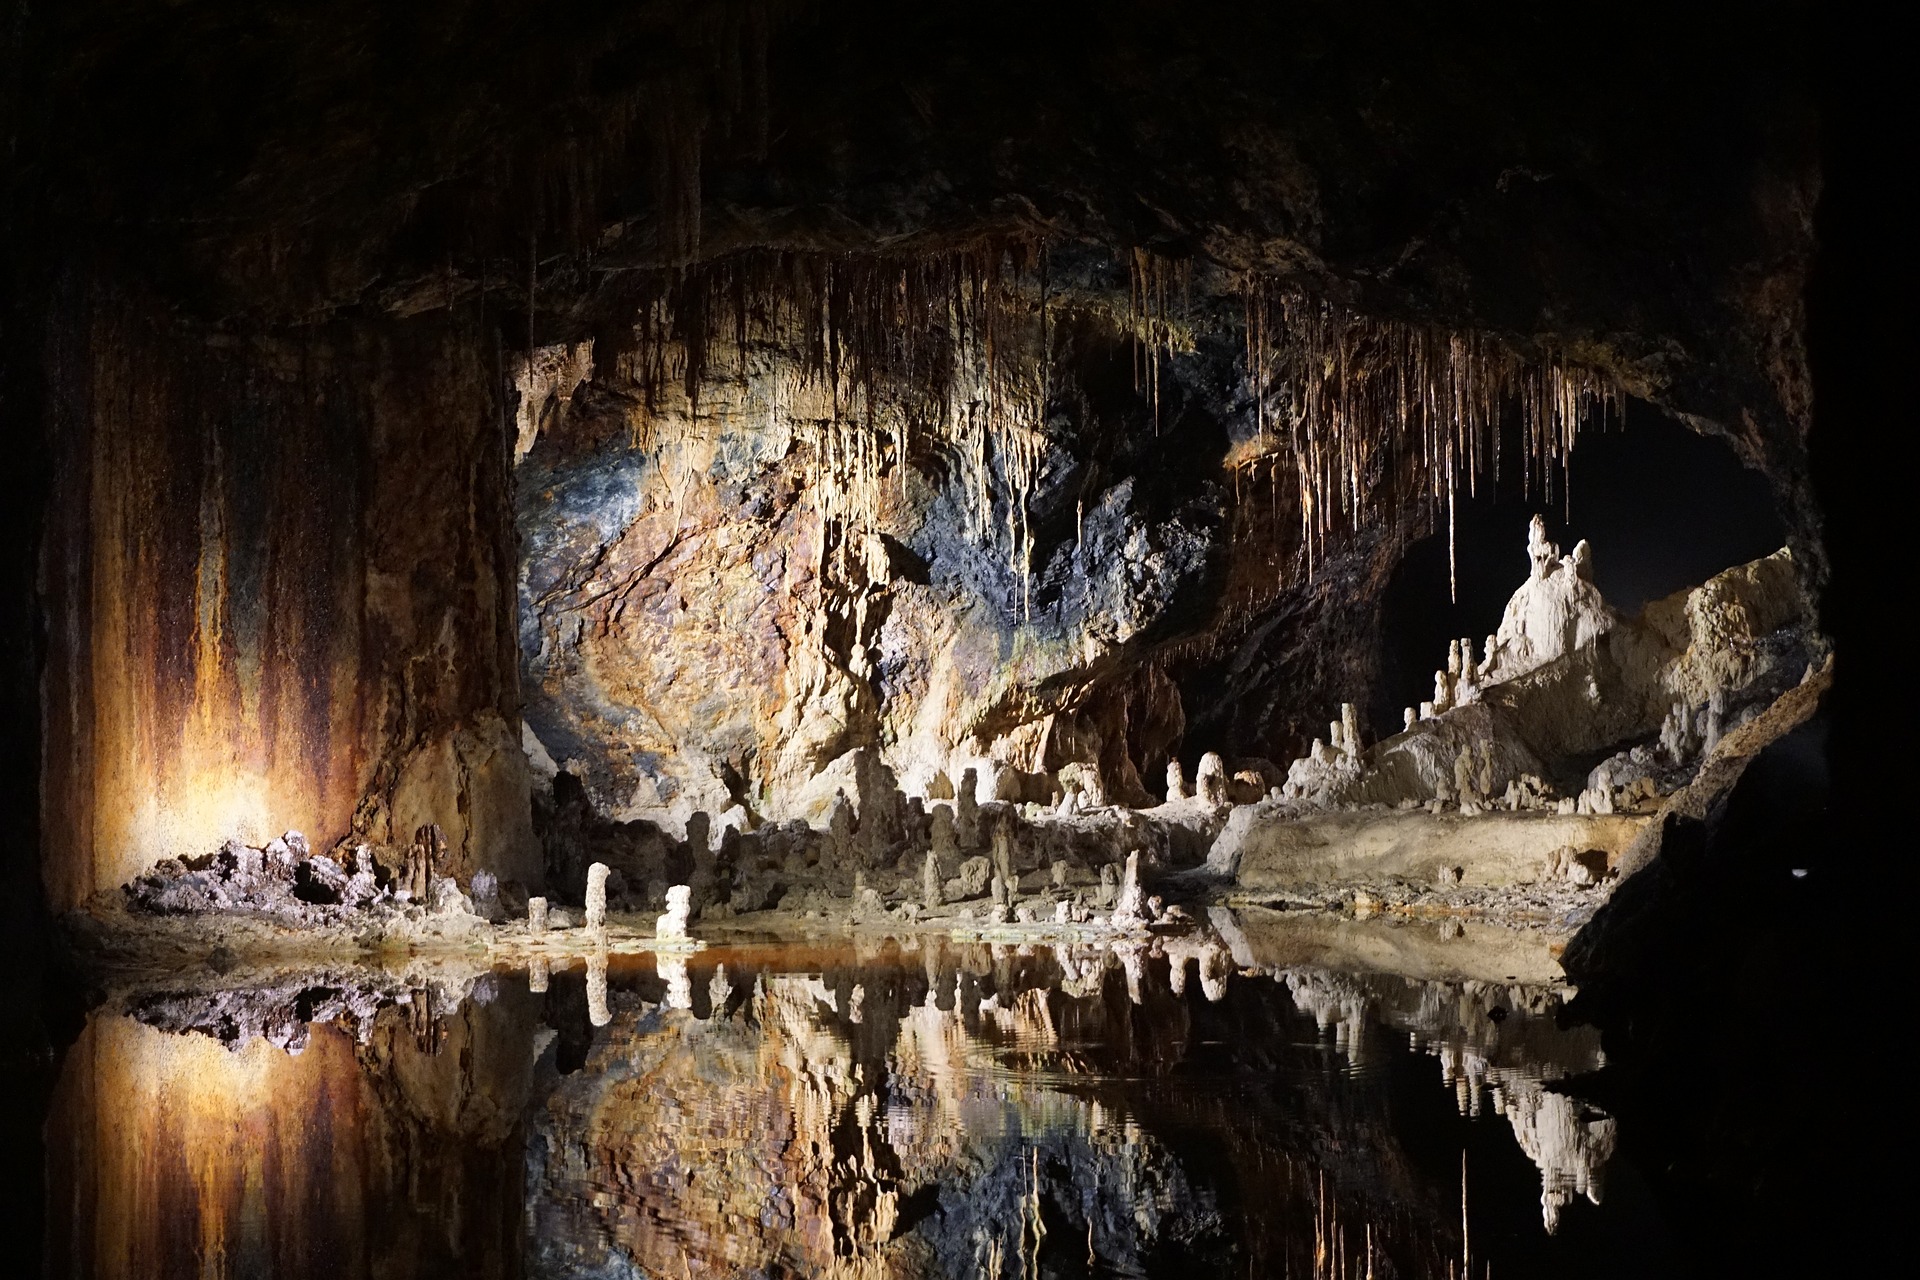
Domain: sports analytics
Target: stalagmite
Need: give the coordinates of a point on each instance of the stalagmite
(424, 857)
(536, 916)
(945, 845)
(930, 882)
(1176, 781)
(1350, 728)
(1210, 781)
(1130, 908)
(967, 816)
(671, 925)
(840, 831)
(1409, 718)
(597, 895)
(1003, 849)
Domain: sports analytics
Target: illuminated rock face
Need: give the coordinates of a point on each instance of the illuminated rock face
(278, 596)
(698, 620)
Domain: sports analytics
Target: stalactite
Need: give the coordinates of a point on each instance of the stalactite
(1345, 397)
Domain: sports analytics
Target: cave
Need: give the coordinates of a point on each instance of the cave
(753, 638)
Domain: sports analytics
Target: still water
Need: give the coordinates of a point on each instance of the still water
(875, 1108)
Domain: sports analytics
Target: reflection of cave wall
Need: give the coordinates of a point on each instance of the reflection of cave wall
(277, 586)
(173, 1154)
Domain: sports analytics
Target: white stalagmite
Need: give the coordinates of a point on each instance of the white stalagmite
(1176, 781)
(671, 925)
(597, 895)
(1210, 780)
(536, 916)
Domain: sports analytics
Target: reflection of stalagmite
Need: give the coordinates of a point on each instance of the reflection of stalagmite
(673, 971)
(597, 895)
(719, 991)
(1571, 1148)
(672, 924)
(597, 1011)
(1133, 963)
(538, 972)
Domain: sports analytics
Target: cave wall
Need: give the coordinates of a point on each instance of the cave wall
(731, 581)
(325, 196)
(277, 577)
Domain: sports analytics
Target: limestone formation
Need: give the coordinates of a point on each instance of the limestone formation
(967, 814)
(536, 916)
(931, 897)
(597, 895)
(1176, 781)
(539, 971)
(945, 846)
(671, 925)
(840, 831)
(1556, 611)
(1130, 907)
(1003, 848)
(1210, 780)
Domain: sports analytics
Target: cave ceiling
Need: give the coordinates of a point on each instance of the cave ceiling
(1636, 183)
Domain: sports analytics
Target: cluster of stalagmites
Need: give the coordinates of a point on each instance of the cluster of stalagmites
(1484, 742)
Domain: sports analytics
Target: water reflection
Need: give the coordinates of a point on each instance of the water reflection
(1192, 1106)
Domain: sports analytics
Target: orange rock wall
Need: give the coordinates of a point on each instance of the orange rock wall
(276, 577)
